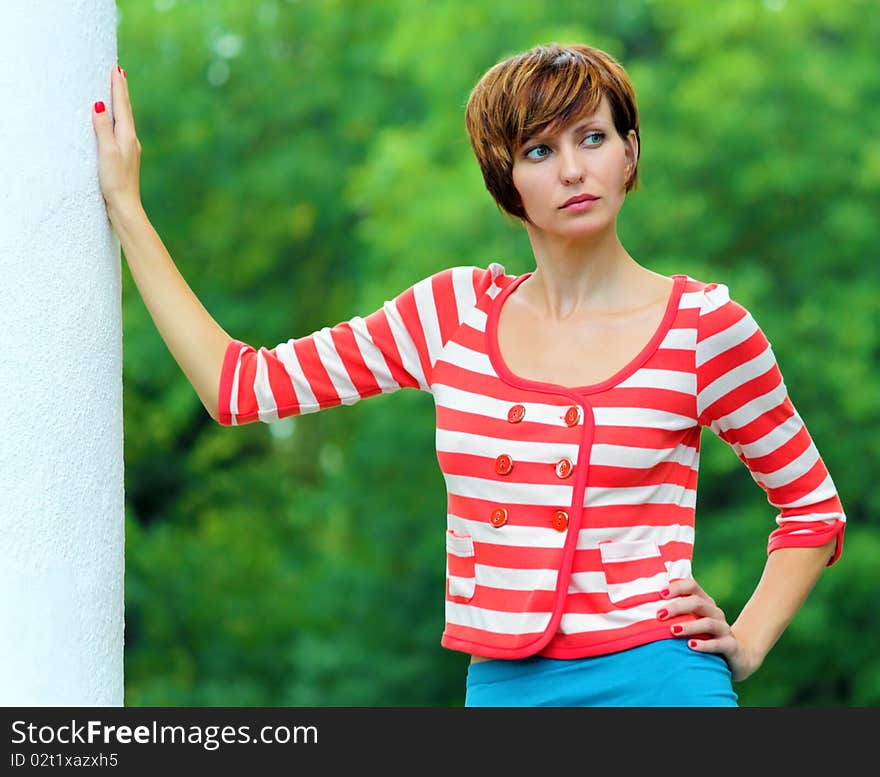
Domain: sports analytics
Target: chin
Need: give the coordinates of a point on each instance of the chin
(583, 230)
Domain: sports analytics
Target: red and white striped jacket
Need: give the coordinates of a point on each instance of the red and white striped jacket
(569, 509)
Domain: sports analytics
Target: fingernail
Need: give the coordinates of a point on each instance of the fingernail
(99, 106)
(661, 614)
(692, 643)
(123, 75)
(664, 593)
(119, 70)
(677, 629)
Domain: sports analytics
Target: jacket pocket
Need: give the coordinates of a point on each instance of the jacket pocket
(635, 571)
(460, 566)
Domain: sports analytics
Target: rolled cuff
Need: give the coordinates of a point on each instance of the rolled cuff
(808, 534)
(225, 416)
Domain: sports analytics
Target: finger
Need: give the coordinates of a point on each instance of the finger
(103, 124)
(122, 111)
(694, 604)
(725, 645)
(680, 587)
(701, 628)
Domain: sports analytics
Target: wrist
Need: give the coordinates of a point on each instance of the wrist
(124, 212)
(751, 656)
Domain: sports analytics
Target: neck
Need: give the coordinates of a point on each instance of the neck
(575, 276)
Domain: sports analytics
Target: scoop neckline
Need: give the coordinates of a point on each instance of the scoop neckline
(500, 366)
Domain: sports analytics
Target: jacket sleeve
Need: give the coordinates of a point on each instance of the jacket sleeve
(392, 348)
(742, 398)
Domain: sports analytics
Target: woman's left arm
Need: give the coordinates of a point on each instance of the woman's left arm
(742, 398)
(789, 576)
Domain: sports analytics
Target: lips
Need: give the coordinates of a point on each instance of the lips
(578, 198)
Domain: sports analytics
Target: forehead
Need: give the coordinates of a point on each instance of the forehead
(602, 113)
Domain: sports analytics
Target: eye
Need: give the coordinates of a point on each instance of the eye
(597, 134)
(532, 153)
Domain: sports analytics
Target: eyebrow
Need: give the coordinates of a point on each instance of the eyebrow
(580, 127)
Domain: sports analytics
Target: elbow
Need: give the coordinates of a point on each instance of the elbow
(214, 412)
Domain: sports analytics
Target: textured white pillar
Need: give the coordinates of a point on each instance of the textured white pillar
(61, 443)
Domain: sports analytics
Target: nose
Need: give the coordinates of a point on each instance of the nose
(571, 166)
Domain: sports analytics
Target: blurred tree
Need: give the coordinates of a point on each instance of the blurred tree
(304, 162)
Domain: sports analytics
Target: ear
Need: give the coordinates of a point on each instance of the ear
(632, 154)
(632, 151)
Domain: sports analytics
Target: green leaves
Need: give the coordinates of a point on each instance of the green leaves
(305, 162)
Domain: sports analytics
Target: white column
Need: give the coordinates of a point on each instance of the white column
(61, 444)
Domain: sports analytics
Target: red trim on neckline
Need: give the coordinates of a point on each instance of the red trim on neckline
(624, 372)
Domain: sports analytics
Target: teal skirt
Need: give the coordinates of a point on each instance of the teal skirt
(664, 673)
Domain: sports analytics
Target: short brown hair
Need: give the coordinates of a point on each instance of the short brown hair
(546, 86)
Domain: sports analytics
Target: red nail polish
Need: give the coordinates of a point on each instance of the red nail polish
(661, 614)
(119, 70)
(123, 75)
(692, 643)
(677, 629)
(664, 593)
(99, 106)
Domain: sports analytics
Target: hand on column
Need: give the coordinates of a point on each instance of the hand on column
(119, 150)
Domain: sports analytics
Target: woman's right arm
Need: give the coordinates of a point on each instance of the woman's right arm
(195, 339)
(392, 348)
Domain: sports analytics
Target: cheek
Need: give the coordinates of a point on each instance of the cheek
(521, 190)
(516, 179)
(524, 183)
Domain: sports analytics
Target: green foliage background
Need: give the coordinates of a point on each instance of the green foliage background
(306, 161)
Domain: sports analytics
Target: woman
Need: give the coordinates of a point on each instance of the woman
(570, 402)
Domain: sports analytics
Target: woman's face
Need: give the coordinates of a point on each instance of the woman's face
(586, 157)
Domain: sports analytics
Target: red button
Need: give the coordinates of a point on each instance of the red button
(498, 517)
(515, 414)
(503, 464)
(560, 520)
(564, 468)
(573, 415)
